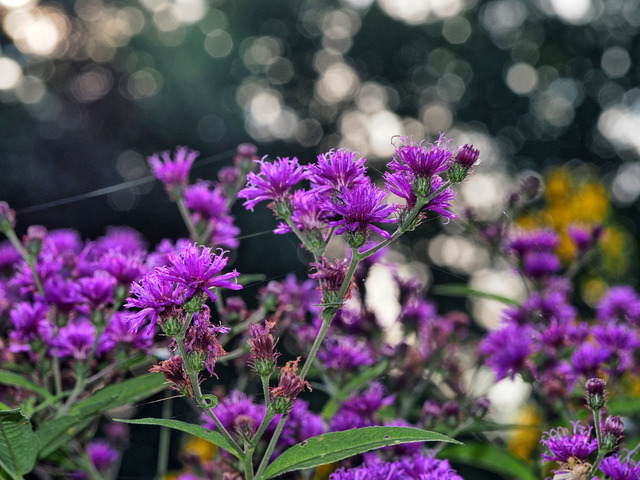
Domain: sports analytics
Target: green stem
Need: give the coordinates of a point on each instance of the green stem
(31, 261)
(271, 447)
(165, 438)
(186, 217)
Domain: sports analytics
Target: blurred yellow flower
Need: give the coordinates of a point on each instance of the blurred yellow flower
(524, 441)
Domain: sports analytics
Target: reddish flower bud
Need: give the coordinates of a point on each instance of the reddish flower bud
(174, 371)
(289, 388)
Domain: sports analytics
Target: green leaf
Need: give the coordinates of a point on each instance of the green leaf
(331, 447)
(210, 436)
(492, 458)
(355, 384)
(56, 432)
(454, 290)
(17, 380)
(18, 443)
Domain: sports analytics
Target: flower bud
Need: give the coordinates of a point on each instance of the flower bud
(34, 238)
(612, 432)
(480, 407)
(451, 413)
(7, 217)
(290, 386)
(431, 413)
(596, 394)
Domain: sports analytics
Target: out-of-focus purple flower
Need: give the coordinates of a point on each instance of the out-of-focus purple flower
(30, 324)
(174, 173)
(344, 353)
(561, 444)
(157, 299)
(421, 160)
(301, 424)
(118, 332)
(620, 340)
(64, 293)
(197, 270)
(359, 208)
(205, 200)
(274, 181)
(335, 171)
(97, 290)
(507, 350)
(587, 359)
(74, 340)
(102, 455)
(423, 467)
(120, 239)
(525, 241)
(619, 303)
(124, 267)
(538, 265)
(581, 236)
(360, 410)
(237, 404)
(372, 470)
(616, 468)
(9, 257)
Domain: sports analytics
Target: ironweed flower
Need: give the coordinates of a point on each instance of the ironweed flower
(201, 343)
(196, 269)
(174, 173)
(344, 353)
(596, 395)
(401, 184)
(157, 298)
(463, 161)
(273, 182)
(263, 355)
(508, 349)
(420, 160)
(619, 303)
(331, 276)
(74, 340)
(612, 432)
(289, 387)
(359, 208)
(102, 455)
(234, 406)
(335, 171)
(562, 445)
(616, 468)
(176, 374)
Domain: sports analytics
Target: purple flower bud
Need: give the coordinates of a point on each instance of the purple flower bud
(7, 217)
(480, 407)
(612, 432)
(595, 386)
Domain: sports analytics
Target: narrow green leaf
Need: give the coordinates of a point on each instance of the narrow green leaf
(210, 436)
(11, 378)
(56, 432)
(18, 443)
(454, 290)
(492, 458)
(355, 384)
(331, 447)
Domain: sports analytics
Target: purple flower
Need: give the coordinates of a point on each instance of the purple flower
(619, 340)
(335, 171)
(196, 269)
(587, 359)
(359, 208)
(63, 293)
(157, 298)
(9, 256)
(30, 324)
(345, 353)
(201, 341)
(416, 312)
(618, 469)
(562, 445)
(420, 160)
(373, 470)
(360, 410)
(118, 332)
(97, 291)
(525, 241)
(273, 182)
(121, 239)
(400, 184)
(74, 340)
(538, 265)
(234, 407)
(422, 467)
(507, 350)
(124, 267)
(301, 424)
(619, 303)
(308, 213)
(102, 455)
(174, 173)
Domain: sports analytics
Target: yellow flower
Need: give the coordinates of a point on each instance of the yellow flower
(524, 441)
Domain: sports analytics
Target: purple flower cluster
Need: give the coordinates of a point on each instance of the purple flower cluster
(342, 197)
(562, 445)
(415, 467)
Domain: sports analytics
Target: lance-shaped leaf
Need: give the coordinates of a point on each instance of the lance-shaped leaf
(334, 446)
(17, 380)
(210, 436)
(18, 443)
